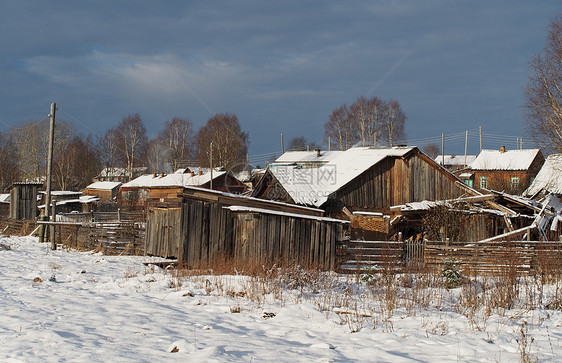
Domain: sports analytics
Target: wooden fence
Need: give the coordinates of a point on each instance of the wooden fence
(117, 237)
(356, 256)
(496, 257)
(476, 258)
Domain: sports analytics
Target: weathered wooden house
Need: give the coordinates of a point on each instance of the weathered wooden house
(200, 226)
(511, 171)
(134, 194)
(104, 190)
(362, 178)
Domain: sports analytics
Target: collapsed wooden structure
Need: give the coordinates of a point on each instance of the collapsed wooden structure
(199, 227)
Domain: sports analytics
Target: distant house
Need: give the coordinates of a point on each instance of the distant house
(307, 159)
(506, 170)
(548, 180)
(119, 174)
(135, 192)
(362, 178)
(104, 190)
(455, 162)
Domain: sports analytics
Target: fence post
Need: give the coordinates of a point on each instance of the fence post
(118, 214)
(52, 229)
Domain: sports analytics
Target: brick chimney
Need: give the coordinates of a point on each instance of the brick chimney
(502, 149)
(200, 172)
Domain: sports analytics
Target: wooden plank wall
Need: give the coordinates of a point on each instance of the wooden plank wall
(24, 201)
(286, 240)
(395, 181)
(205, 232)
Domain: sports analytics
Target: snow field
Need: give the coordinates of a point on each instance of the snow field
(78, 306)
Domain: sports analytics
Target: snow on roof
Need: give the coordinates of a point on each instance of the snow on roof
(308, 156)
(171, 180)
(236, 208)
(239, 196)
(5, 197)
(313, 186)
(508, 160)
(456, 160)
(61, 193)
(549, 178)
(194, 169)
(104, 185)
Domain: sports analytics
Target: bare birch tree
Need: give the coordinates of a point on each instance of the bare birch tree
(367, 121)
(108, 146)
(132, 142)
(340, 129)
(394, 123)
(177, 135)
(543, 94)
(9, 166)
(230, 143)
(30, 139)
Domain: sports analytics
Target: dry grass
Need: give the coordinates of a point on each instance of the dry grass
(380, 299)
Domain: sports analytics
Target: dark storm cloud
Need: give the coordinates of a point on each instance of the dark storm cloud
(282, 68)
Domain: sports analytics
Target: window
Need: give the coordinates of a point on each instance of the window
(514, 183)
(468, 182)
(483, 182)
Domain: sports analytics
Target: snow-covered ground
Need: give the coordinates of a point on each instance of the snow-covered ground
(79, 306)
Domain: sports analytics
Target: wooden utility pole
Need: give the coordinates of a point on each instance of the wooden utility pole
(465, 147)
(443, 149)
(211, 147)
(329, 143)
(480, 129)
(282, 145)
(50, 168)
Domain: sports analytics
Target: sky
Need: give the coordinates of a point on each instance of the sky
(281, 67)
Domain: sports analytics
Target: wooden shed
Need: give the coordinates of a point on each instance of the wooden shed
(23, 200)
(363, 178)
(104, 190)
(199, 226)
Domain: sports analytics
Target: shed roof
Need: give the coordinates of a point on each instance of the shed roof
(104, 185)
(313, 186)
(508, 160)
(549, 178)
(308, 156)
(171, 180)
